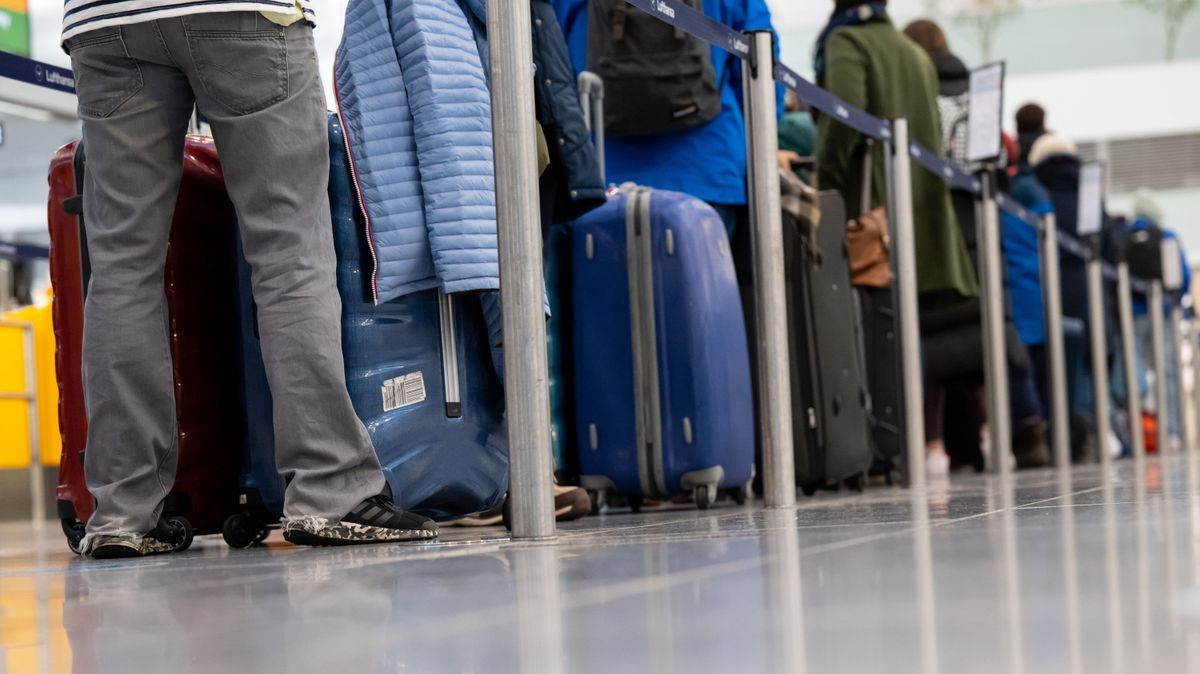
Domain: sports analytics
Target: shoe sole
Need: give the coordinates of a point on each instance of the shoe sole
(316, 540)
(120, 551)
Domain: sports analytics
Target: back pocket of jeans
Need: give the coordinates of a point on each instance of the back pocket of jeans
(240, 58)
(105, 74)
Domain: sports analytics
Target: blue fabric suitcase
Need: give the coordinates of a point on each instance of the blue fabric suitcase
(662, 372)
(420, 375)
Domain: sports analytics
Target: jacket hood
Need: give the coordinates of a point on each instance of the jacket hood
(1059, 173)
(953, 77)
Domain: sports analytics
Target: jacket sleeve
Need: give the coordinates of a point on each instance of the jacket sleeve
(452, 126)
(754, 15)
(846, 78)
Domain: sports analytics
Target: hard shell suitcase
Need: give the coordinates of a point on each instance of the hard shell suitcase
(830, 404)
(201, 307)
(420, 376)
(662, 370)
(561, 364)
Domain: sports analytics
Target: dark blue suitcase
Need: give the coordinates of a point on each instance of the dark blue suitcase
(558, 347)
(420, 375)
(662, 373)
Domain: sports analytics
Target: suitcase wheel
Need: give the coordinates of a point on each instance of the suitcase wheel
(597, 499)
(809, 489)
(636, 503)
(182, 530)
(740, 495)
(704, 495)
(74, 531)
(856, 482)
(241, 530)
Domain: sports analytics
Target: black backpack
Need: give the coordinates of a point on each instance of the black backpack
(657, 78)
(1143, 250)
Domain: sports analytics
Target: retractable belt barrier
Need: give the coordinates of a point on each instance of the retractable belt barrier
(22, 251)
(37, 73)
(697, 24)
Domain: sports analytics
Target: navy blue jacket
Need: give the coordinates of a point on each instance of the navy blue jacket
(580, 187)
(1059, 174)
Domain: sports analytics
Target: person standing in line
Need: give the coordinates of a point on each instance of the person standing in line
(1024, 312)
(250, 66)
(861, 58)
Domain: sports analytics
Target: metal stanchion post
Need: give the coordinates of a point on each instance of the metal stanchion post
(37, 495)
(1179, 394)
(522, 287)
(1157, 329)
(37, 491)
(1060, 423)
(6, 278)
(1096, 324)
(774, 373)
(995, 354)
(1133, 401)
(904, 266)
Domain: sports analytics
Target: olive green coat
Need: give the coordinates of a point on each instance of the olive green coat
(876, 68)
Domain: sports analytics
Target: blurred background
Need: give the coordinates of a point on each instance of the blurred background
(1118, 76)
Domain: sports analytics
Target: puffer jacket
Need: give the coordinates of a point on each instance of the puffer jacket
(413, 98)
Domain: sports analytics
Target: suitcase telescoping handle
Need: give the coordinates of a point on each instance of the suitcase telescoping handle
(866, 177)
(591, 99)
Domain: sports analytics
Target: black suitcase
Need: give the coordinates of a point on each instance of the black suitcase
(881, 346)
(830, 401)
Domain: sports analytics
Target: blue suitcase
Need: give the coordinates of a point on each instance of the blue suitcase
(662, 372)
(420, 376)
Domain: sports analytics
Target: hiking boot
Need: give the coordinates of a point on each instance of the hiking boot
(166, 536)
(375, 520)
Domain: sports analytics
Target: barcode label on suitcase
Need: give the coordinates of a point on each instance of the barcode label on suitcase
(403, 391)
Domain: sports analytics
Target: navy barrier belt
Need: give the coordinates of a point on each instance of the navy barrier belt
(1012, 207)
(39, 74)
(855, 118)
(698, 24)
(22, 251)
(1073, 246)
(939, 166)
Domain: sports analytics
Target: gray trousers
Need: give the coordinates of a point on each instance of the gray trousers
(258, 85)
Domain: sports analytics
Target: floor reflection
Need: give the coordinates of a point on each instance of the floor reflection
(1090, 570)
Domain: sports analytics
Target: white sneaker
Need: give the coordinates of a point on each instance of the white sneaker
(937, 463)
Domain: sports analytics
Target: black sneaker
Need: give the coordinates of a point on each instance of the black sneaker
(375, 520)
(164, 538)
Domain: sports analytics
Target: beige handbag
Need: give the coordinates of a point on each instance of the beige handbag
(867, 235)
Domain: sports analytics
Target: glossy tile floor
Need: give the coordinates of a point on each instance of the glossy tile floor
(1058, 572)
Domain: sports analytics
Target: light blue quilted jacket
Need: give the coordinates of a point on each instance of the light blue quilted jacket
(413, 97)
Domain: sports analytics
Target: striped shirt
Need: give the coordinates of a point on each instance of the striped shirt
(80, 16)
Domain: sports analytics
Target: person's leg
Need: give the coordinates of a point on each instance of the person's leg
(937, 461)
(257, 84)
(135, 109)
(731, 215)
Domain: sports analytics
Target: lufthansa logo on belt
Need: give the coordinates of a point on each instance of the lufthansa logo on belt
(37, 72)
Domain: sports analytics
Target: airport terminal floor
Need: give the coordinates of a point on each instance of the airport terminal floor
(1085, 570)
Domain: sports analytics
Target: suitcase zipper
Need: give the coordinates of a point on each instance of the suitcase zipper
(450, 374)
(362, 205)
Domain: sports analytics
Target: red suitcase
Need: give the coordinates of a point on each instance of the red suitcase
(202, 308)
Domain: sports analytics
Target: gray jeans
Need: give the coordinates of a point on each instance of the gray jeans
(258, 85)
